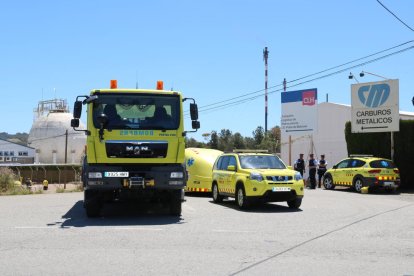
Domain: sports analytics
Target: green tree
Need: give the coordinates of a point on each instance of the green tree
(225, 140)
(193, 143)
(213, 144)
(238, 141)
(258, 136)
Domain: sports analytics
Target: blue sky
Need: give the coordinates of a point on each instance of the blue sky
(209, 50)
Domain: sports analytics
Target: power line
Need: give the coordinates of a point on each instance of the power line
(231, 102)
(394, 15)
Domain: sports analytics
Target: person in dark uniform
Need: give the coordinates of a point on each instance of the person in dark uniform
(312, 171)
(322, 163)
(300, 164)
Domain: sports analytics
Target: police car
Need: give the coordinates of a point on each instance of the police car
(250, 176)
(363, 171)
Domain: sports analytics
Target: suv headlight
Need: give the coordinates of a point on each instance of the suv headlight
(177, 175)
(298, 176)
(256, 176)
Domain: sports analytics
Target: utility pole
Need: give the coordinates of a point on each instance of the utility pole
(66, 146)
(265, 56)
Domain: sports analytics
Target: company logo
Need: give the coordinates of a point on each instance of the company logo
(374, 95)
(136, 149)
(190, 162)
(309, 97)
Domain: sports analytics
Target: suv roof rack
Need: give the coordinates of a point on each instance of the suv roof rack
(361, 155)
(250, 151)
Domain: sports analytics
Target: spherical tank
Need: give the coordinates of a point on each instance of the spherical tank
(51, 134)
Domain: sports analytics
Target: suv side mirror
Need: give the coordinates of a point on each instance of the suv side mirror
(335, 167)
(231, 168)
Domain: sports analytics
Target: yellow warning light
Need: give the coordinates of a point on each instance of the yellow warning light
(160, 85)
(114, 84)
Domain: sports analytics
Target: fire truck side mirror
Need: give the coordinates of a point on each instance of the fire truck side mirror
(74, 123)
(77, 109)
(195, 124)
(102, 119)
(193, 111)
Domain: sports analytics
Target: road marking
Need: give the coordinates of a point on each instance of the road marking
(34, 227)
(134, 228)
(231, 231)
(103, 228)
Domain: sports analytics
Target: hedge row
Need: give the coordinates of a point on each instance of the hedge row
(379, 144)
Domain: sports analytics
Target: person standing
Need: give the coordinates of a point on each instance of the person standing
(322, 163)
(300, 165)
(312, 171)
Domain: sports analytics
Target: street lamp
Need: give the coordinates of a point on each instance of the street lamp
(351, 76)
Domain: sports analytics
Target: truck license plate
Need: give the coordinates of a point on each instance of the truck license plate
(388, 183)
(281, 189)
(116, 174)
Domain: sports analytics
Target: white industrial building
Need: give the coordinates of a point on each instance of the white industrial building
(15, 153)
(329, 139)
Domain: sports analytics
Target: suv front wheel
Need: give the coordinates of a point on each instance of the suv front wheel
(295, 203)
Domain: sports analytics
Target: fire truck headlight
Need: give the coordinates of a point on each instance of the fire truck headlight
(94, 175)
(177, 175)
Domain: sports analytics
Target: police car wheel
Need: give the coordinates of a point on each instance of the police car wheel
(241, 198)
(358, 184)
(328, 183)
(217, 198)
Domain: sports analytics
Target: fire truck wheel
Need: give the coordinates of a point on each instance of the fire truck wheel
(175, 203)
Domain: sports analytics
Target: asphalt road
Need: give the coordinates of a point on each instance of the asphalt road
(334, 233)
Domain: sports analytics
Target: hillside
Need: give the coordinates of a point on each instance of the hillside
(18, 138)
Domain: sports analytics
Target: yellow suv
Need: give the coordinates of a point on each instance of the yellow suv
(253, 176)
(363, 171)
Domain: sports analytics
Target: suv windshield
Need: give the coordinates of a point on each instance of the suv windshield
(261, 162)
(137, 111)
(385, 164)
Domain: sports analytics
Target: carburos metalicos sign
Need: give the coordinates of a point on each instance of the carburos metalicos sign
(375, 106)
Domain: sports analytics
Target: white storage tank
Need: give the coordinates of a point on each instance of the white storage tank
(51, 134)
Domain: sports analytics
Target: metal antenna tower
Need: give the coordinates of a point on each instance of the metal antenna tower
(265, 56)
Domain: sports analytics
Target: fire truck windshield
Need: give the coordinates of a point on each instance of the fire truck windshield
(137, 111)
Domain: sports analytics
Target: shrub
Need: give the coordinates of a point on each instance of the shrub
(7, 179)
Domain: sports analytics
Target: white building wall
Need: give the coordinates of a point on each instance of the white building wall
(10, 152)
(329, 139)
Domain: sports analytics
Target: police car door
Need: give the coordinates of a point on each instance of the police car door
(338, 175)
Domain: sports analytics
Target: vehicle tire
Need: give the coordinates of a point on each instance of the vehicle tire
(241, 198)
(358, 184)
(328, 182)
(92, 203)
(217, 198)
(175, 203)
(295, 203)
